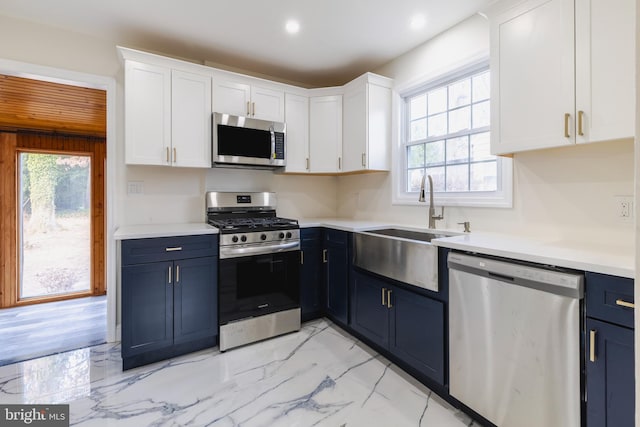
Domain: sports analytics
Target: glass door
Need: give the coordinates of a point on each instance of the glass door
(54, 224)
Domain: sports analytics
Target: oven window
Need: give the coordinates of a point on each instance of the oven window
(262, 275)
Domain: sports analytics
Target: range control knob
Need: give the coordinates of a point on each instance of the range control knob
(234, 239)
(288, 234)
(281, 235)
(243, 238)
(263, 237)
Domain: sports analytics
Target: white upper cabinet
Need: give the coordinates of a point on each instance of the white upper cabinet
(147, 101)
(240, 98)
(167, 112)
(296, 108)
(325, 134)
(267, 104)
(231, 97)
(190, 119)
(605, 64)
(555, 83)
(366, 137)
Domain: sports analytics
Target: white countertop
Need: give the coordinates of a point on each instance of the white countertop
(616, 261)
(144, 231)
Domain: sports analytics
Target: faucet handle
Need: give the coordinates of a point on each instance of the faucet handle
(467, 226)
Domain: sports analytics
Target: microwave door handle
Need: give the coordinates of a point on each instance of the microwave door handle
(273, 144)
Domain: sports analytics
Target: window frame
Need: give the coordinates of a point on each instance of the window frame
(501, 198)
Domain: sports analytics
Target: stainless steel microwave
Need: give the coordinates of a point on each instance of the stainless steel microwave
(246, 142)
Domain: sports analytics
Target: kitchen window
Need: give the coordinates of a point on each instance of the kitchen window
(446, 134)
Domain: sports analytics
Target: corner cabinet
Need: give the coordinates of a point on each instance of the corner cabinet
(167, 113)
(610, 362)
(366, 136)
(247, 99)
(562, 73)
(169, 297)
(325, 134)
(407, 324)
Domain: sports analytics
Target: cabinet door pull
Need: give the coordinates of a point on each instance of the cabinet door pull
(623, 303)
(167, 151)
(173, 249)
(248, 108)
(175, 154)
(170, 274)
(339, 163)
(567, 116)
(324, 256)
(364, 160)
(301, 258)
(389, 305)
(177, 274)
(253, 108)
(592, 345)
(384, 291)
(307, 159)
(580, 121)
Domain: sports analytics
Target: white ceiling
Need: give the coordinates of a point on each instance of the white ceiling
(338, 39)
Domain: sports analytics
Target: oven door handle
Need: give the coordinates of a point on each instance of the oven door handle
(257, 250)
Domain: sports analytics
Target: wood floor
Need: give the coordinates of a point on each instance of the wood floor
(44, 329)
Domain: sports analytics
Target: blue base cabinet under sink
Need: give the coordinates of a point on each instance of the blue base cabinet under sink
(610, 385)
(407, 324)
(169, 297)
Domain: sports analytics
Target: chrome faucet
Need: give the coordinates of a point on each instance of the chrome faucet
(432, 210)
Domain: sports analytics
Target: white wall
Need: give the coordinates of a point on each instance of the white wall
(170, 194)
(565, 194)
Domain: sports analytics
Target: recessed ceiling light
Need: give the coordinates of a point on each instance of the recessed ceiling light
(417, 21)
(292, 26)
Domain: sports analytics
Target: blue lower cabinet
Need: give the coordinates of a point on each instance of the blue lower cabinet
(417, 323)
(610, 375)
(336, 262)
(407, 324)
(195, 312)
(310, 273)
(147, 308)
(369, 316)
(169, 307)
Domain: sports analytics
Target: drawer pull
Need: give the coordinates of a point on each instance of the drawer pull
(174, 249)
(592, 345)
(624, 303)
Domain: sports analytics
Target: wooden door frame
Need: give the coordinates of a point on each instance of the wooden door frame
(109, 84)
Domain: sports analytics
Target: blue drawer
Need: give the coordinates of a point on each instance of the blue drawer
(608, 298)
(139, 251)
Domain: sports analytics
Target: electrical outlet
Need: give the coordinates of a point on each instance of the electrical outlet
(624, 208)
(135, 187)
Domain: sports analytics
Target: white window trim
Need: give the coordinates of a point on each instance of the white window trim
(493, 199)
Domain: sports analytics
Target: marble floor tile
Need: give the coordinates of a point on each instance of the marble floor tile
(319, 376)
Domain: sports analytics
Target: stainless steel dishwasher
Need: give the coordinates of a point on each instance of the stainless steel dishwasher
(514, 341)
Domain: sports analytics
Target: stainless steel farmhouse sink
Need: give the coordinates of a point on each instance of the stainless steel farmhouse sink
(404, 255)
(422, 236)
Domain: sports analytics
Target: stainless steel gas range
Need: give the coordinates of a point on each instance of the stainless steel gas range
(258, 282)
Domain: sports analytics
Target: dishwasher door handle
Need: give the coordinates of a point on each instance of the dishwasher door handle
(501, 276)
